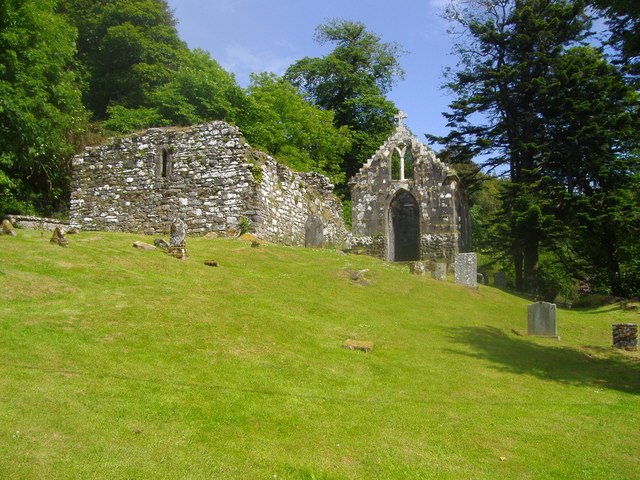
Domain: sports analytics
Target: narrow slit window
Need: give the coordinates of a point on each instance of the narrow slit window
(164, 172)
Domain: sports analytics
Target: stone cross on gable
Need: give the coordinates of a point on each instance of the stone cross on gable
(400, 116)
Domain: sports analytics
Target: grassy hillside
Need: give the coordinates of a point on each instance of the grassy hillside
(123, 364)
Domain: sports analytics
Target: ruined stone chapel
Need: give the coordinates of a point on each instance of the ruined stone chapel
(409, 203)
(406, 204)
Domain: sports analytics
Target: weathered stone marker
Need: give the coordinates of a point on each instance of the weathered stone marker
(7, 228)
(499, 280)
(417, 268)
(161, 243)
(625, 336)
(313, 236)
(440, 272)
(466, 265)
(177, 243)
(541, 319)
(59, 237)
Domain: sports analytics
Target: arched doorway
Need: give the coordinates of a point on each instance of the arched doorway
(404, 228)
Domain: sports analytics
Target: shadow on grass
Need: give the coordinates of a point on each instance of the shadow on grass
(549, 362)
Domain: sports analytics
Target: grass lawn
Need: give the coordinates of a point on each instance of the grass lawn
(122, 364)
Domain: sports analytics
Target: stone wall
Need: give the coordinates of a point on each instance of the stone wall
(29, 222)
(208, 176)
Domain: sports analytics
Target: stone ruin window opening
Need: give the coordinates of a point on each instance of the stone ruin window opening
(401, 163)
(164, 163)
(404, 227)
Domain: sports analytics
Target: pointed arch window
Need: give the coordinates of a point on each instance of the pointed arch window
(401, 163)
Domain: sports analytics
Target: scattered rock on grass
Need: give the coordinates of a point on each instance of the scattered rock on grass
(7, 228)
(211, 263)
(256, 244)
(59, 237)
(211, 236)
(362, 345)
(161, 243)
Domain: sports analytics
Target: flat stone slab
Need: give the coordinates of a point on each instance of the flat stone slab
(211, 263)
(361, 345)
(143, 246)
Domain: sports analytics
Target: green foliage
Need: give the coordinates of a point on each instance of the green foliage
(126, 49)
(624, 26)
(245, 225)
(280, 121)
(126, 120)
(559, 118)
(40, 107)
(200, 91)
(352, 81)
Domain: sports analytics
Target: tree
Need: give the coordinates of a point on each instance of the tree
(501, 87)
(126, 49)
(279, 120)
(624, 24)
(593, 152)
(40, 106)
(352, 81)
(201, 90)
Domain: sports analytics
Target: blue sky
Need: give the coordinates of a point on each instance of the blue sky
(247, 36)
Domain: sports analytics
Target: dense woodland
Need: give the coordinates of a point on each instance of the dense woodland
(544, 122)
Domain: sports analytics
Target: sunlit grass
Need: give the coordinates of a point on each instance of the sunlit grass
(123, 364)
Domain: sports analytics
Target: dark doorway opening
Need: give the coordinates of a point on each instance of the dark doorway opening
(404, 228)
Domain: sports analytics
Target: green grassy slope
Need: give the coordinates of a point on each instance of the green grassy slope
(122, 364)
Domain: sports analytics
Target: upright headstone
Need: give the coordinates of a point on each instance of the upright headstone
(313, 237)
(177, 243)
(7, 228)
(417, 268)
(625, 336)
(466, 273)
(499, 280)
(440, 272)
(541, 319)
(59, 237)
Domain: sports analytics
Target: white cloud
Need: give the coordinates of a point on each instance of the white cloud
(242, 61)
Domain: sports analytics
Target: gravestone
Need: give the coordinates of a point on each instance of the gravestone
(313, 237)
(177, 242)
(499, 280)
(178, 233)
(59, 237)
(541, 319)
(7, 228)
(417, 268)
(466, 273)
(440, 272)
(625, 336)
